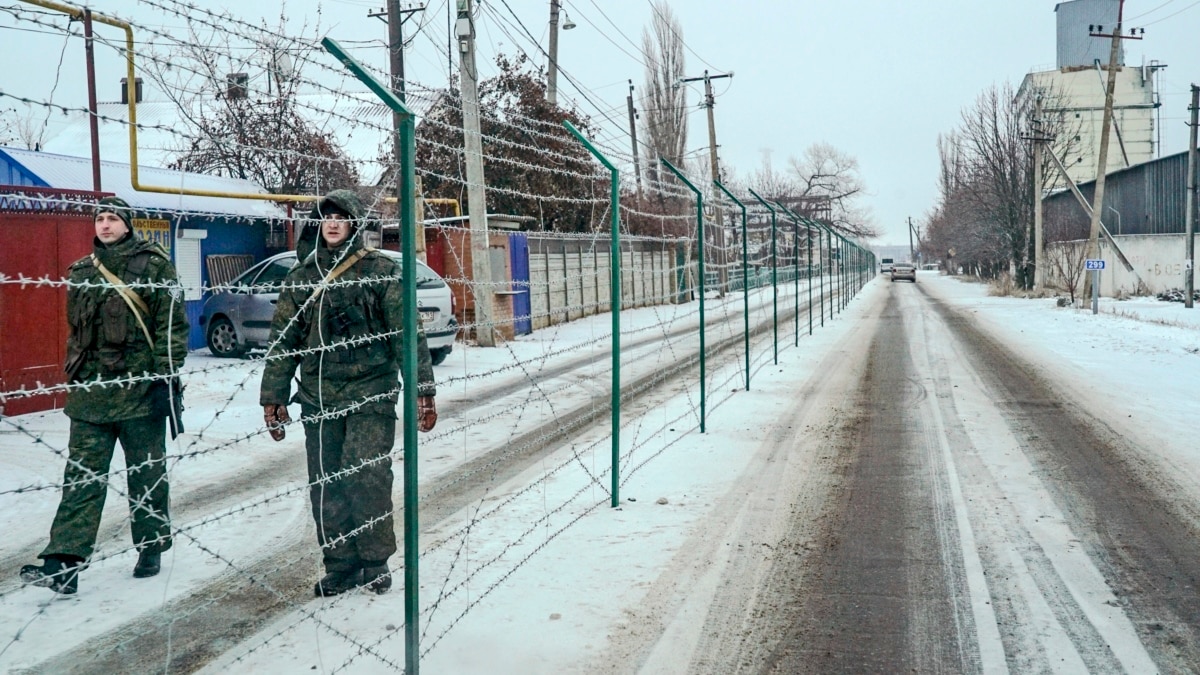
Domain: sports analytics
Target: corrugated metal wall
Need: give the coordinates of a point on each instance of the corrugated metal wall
(569, 276)
(1076, 47)
(33, 319)
(1143, 199)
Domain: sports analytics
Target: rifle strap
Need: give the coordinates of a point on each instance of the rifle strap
(339, 270)
(131, 298)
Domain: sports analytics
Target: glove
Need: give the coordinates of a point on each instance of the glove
(426, 413)
(275, 416)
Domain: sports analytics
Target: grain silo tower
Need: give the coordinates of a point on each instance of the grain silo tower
(1073, 93)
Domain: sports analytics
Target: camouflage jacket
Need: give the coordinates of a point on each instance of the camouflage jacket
(346, 342)
(105, 340)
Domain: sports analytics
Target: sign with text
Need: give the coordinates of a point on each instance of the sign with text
(157, 231)
(1093, 265)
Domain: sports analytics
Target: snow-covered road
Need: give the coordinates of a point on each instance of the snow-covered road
(538, 574)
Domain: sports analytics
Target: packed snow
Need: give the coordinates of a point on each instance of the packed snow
(547, 583)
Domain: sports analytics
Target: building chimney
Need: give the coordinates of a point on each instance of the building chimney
(236, 85)
(137, 90)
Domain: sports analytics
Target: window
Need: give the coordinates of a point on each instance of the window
(270, 279)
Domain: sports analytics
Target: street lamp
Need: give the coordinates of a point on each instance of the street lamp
(552, 68)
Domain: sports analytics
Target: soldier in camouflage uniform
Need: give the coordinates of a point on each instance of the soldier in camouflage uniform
(346, 341)
(106, 342)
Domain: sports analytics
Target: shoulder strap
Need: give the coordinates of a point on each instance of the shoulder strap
(341, 269)
(138, 262)
(127, 294)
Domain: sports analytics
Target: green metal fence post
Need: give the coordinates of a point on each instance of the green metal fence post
(808, 235)
(745, 279)
(614, 282)
(857, 269)
(700, 260)
(774, 285)
(796, 282)
(837, 270)
(845, 272)
(408, 345)
(821, 276)
(836, 300)
(796, 249)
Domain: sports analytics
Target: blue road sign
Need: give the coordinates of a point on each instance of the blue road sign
(1093, 265)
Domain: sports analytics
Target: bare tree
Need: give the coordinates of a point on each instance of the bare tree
(664, 109)
(8, 126)
(22, 128)
(1065, 255)
(772, 184)
(255, 128)
(831, 187)
(270, 143)
(985, 211)
(511, 150)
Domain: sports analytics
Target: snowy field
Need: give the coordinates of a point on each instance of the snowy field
(543, 575)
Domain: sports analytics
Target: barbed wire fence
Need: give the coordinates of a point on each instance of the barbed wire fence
(518, 458)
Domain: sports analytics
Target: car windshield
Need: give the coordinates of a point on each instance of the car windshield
(271, 277)
(267, 277)
(426, 277)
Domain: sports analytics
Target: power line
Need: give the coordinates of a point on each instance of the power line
(578, 87)
(1151, 11)
(1174, 14)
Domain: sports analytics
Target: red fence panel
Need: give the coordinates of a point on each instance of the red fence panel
(37, 241)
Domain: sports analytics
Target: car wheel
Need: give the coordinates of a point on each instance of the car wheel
(439, 355)
(222, 339)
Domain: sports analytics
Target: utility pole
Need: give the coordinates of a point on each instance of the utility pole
(1189, 207)
(715, 165)
(637, 169)
(93, 122)
(912, 252)
(1093, 249)
(481, 267)
(1039, 272)
(395, 18)
(552, 66)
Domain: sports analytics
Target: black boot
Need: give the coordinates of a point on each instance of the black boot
(147, 565)
(336, 583)
(58, 573)
(377, 577)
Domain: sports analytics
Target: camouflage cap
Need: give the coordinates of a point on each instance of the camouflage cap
(344, 202)
(115, 205)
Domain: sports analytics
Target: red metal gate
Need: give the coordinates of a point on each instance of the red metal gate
(42, 232)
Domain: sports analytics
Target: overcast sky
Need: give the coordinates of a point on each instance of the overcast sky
(877, 79)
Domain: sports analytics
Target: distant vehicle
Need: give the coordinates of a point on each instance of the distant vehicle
(885, 265)
(904, 271)
(237, 318)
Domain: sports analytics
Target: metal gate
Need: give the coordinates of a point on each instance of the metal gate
(518, 250)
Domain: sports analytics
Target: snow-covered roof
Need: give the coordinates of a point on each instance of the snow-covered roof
(75, 173)
(359, 127)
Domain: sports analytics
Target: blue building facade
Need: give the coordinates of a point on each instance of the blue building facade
(192, 229)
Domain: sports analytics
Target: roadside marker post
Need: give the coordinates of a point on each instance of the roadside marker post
(1095, 266)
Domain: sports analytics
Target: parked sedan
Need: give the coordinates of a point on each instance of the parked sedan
(238, 316)
(904, 271)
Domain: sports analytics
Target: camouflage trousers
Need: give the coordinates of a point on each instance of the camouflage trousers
(85, 485)
(350, 479)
